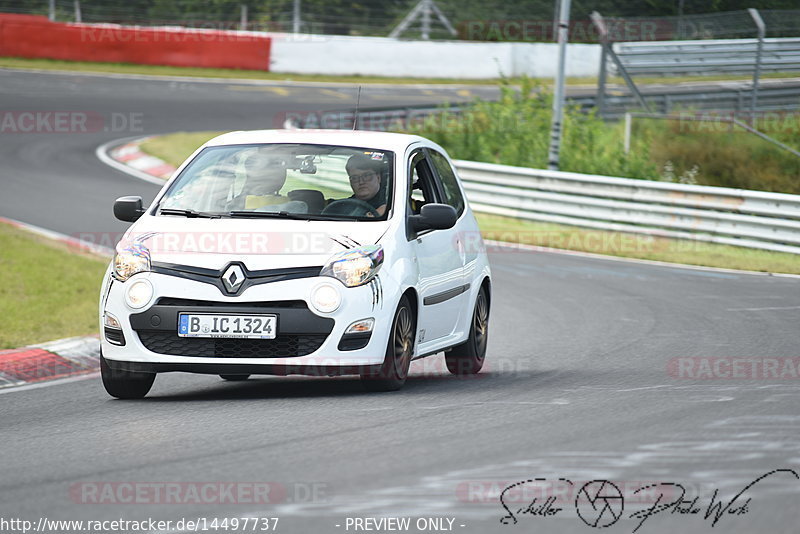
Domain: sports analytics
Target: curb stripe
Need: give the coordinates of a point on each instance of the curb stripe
(132, 156)
(104, 154)
(49, 361)
(36, 365)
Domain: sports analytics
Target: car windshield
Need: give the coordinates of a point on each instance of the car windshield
(284, 180)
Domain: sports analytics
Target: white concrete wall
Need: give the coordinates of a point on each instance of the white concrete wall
(381, 56)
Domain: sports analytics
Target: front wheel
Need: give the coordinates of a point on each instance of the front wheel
(125, 384)
(468, 358)
(394, 370)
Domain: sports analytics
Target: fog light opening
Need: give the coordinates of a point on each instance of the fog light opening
(326, 298)
(138, 294)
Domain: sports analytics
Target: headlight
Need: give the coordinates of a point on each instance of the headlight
(131, 260)
(355, 267)
(139, 293)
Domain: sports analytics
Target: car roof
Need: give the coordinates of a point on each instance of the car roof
(358, 138)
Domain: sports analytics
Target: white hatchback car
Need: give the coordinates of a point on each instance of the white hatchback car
(297, 252)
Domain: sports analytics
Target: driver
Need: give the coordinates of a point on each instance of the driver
(365, 179)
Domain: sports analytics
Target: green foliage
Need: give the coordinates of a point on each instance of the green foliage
(723, 156)
(515, 130)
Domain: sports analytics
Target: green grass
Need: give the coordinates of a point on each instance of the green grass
(158, 70)
(47, 291)
(174, 148)
(715, 154)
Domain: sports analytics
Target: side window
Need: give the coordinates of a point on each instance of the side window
(416, 191)
(449, 181)
(423, 186)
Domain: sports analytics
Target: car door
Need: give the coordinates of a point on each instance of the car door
(439, 260)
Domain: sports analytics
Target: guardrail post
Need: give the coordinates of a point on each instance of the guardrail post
(558, 97)
(426, 21)
(600, 100)
(757, 73)
(628, 121)
(296, 17)
(243, 17)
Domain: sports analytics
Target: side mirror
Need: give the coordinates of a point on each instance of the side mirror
(434, 217)
(128, 209)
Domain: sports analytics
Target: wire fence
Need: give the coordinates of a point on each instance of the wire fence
(477, 20)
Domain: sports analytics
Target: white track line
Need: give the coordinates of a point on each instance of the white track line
(765, 309)
(48, 383)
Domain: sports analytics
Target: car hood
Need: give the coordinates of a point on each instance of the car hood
(258, 243)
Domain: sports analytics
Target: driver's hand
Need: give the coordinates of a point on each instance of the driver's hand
(380, 209)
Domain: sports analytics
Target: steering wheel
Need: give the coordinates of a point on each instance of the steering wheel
(350, 206)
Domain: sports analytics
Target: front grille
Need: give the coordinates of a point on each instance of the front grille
(283, 346)
(172, 301)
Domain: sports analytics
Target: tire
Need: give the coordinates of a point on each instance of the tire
(399, 350)
(234, 378)
(125, 384)
(468, 357)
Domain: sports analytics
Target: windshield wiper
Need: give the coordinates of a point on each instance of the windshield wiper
(189, 213)
(279, 215)
(266, 214)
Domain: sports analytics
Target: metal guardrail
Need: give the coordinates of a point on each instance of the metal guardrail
(753, 219)
(724, 56)
(734, 96)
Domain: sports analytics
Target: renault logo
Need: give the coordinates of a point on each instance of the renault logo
(233, 278)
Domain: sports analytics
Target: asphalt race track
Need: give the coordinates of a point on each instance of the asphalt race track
(596, 371)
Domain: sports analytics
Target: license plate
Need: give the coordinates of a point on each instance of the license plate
(227, 326)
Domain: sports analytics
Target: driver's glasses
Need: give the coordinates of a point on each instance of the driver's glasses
(363, 177)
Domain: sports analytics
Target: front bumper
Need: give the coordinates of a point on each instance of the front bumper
(307, 341)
